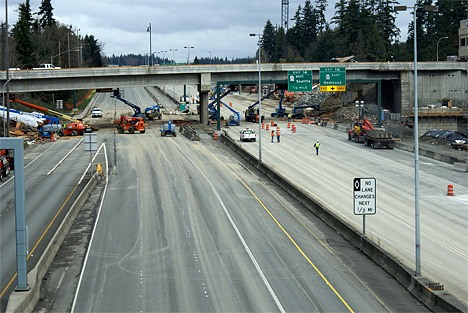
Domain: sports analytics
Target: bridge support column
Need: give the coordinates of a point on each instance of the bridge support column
(204, 89)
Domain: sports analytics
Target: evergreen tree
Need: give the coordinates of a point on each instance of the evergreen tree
(268, 42)
(320, 8)
(45, 15)
(23, 37)
(309, 28)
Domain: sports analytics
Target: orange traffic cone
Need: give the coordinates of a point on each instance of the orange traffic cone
(52, 137)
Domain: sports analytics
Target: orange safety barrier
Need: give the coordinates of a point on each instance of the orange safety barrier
(293, 128)
(263, 125)
(289, 125)
(450, 190)
(215, 136)
(52, 137)
(267, 126)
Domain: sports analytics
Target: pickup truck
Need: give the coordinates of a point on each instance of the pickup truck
(248, 134)
(47, 66)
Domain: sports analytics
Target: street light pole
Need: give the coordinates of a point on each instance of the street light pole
(259, 99)
(188, 53)
(7, 68)
(438, 46)
(360, 104)
(173, 50)
(416, 137)
(150, 63)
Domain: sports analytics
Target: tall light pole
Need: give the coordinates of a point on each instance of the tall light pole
(150, 63)
(164, 57)
(68, 35)
(416, 137)
(173, 51)
(360, 104)
(259, 99)
(188, 53)
(438, 46)
(7, 68)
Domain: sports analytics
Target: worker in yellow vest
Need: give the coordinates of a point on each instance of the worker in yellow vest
(317, 146)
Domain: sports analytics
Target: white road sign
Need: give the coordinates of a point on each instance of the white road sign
(364, 196)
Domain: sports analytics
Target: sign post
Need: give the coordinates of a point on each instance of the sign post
(90, 143)
(364, 194)
(332, 79)
(300, 81)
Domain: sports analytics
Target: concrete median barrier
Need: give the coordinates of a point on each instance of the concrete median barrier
(438, 301)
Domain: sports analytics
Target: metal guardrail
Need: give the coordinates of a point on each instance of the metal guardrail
(189, 132)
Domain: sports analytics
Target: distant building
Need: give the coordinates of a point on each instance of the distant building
(463, 40)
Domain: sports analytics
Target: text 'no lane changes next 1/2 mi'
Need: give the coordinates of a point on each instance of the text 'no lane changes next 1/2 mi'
(364, 196)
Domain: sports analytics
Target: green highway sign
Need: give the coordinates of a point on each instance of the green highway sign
(299, 80)
(332, 78)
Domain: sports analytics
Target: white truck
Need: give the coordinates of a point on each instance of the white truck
(248, 134)
(47, 66)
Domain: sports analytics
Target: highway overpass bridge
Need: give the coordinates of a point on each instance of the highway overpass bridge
(394, 80)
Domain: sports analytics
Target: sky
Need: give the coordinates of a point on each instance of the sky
(217, 27)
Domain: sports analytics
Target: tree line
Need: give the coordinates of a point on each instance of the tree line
(38, 38)
(365, 29)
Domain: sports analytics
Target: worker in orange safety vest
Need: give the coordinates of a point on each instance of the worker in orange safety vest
(278, 134)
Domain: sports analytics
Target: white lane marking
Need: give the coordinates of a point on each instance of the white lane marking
(60, 162)
(241, 238)
(94, 229)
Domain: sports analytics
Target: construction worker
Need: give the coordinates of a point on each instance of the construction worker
(317, 146)
(278, 134)
(272, 135)
(289, 117)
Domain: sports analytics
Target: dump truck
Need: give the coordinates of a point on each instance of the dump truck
(130, 124)
(364, 132)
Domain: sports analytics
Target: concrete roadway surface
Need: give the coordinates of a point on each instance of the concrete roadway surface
(186, 227)
(328, 177)
(53, 178)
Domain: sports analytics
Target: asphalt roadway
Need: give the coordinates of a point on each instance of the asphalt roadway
(187, 227)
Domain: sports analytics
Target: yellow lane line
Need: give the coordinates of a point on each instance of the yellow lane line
(297, 246)
(40, 239)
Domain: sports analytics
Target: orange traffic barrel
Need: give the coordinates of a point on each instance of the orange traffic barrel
(293, 128)
(289, 125)
(450, 190)
(230, 104)
(52, 137)
(267, 126)
(215, 136)
(263, 125)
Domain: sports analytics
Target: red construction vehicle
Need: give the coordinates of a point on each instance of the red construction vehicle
(130, 124)
(364, 132)
(6, 162)
(73, 129)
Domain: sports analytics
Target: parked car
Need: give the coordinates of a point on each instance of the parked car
(248, 134)
(96, 112)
